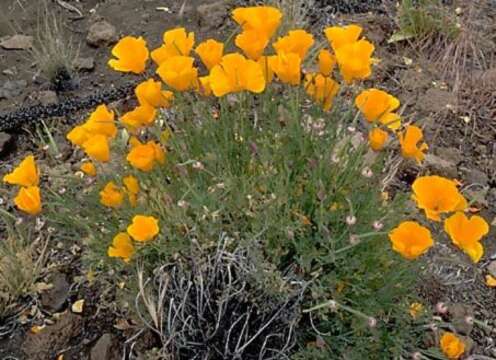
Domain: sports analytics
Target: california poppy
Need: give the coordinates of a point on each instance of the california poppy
(322, 89)
(297, 41)
(176, 43)
(179, 73)
(205, 86)
(144, 156)
(410, 143)
(122, 247)
(132, 55)
(267, 71)
(452, 346)
(143, 228)
(132, 188)
(235, 73)
(28, 199)
(377, 139)
(287, 67)
(378, 105)
(210, 52)
(252, 43)
(467, 233)
(78, 135)
(143, 115)
(411, 239)
(355, 60)
(150, 93)
(97, 148)
(25, 174)
(101, 121)
(263, 19)
(437, 195)
(88, 168)
(327, 62)
(111, 195)
(338, 36)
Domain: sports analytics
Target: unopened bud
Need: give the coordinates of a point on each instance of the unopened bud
(378, 225)
(333, 305)
(441, 308)
(354, 240)
(433, 327)
(182, 204)
(417, 356)
(469, 320)
(367, 172)
(198, 165)
(351, 220)
(372, 322)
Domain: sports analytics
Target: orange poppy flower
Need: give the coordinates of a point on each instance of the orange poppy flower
(467, 233)
(143, 228)
(133, 188)
(355, 60)
(179, 73)
(122, 247)
(377, 139)
(287, 67)
(437, 195)
(150, 93)
(411, 240)
(78, 135)
(378, 105)
(452, 346)
(252, 44)
(97, 148)
(144, 156)
(25, 174)
(132, 55)
(338, 36)
(101, 121)
(297, 41)
(235, 73)
(88, 168)
(263, 19)
(410, 143)
(143, 115)
(322, 89)
(327, 62)
(112, 195)
(28, 199)
(210, 52)
(205, 88)
(267, 71)
(176, 43)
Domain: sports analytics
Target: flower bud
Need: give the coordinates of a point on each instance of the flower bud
(354, 240)
(333, 305)
(351, 220)
(417, 356)
(378, 225)
(367, 172)
(469, 320)
(372, 322)
(198, 165)
(441, 308)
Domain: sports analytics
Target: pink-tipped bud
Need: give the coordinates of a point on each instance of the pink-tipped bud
(351, 220)
(469, 320)
(372, 322)
(433, 327)
(441, 308)
(367, 172)
(417, 356)
(333, 305)
(198, 166)
(182, 204)
(378, 225)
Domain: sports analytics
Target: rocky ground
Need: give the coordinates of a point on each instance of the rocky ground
(457, 111)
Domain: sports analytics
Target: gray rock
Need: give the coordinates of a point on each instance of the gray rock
(101, 33)
(12, 88)
(55, 298)
(84, 64)
(440, 166)
(17, 42)
(213, 15)
(5, 141)
(104, 349)
(474, 176)
(459, 314)
(450, 154)
(491, 268)
(437, 101)
(47, 97)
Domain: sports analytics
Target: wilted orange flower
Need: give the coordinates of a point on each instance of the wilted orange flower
(287, 67)
(339, 36)
(143, 228)
(355, 60)
(252, 43)
(437, 195)
(452, 346)
(144, 156)
(88, 168)
(97, 148)
(378, 105)
(263, 19)
(78, 135)
(297, 41)
(410, 239)
(179, 73)
(410, 143)
(150, 93)
(327, 61)
(415, 309)
(122, 247)
(236, 73)
(143, 115)
(176, 43)
(28, 199)
(101, 121)
(210, 52)
(112, 195)
(467, 233)
(377, 139)
(25, 174)
(322, 89)
(132, 55)
(267, 71)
